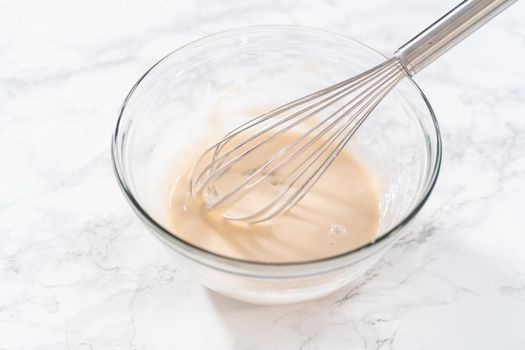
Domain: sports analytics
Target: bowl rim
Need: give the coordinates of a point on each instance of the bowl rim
(117, 161)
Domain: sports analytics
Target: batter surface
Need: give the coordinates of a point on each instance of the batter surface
(340, 213)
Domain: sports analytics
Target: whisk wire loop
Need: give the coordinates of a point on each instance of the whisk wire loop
(339, 111)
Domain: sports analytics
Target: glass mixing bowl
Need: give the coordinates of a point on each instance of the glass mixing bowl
(267, 66)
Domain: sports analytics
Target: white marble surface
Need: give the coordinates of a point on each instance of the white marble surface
(78, 271)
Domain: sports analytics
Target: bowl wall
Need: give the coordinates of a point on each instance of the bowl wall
(168, 112)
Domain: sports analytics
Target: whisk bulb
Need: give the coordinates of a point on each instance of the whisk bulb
(261, 156)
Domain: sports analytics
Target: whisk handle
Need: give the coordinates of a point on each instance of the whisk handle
(447, 31)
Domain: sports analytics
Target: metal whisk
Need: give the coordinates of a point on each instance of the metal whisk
(260, 154)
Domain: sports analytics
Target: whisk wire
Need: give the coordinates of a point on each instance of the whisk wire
(310, 181)
(263, 167)
(358, 97)
(216, 166)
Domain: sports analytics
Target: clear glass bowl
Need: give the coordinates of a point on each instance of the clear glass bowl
(269, 65)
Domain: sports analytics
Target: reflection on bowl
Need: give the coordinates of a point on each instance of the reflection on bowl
(162, 116)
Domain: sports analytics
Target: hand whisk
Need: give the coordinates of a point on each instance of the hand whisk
(263, 158)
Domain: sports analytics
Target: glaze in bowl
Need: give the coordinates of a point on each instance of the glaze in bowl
(270, 65)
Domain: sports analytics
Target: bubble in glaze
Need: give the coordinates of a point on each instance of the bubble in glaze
(337, 229)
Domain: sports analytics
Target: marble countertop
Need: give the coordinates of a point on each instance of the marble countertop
(78, 270)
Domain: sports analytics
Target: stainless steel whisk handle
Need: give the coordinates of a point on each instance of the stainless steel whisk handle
(447, 31)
